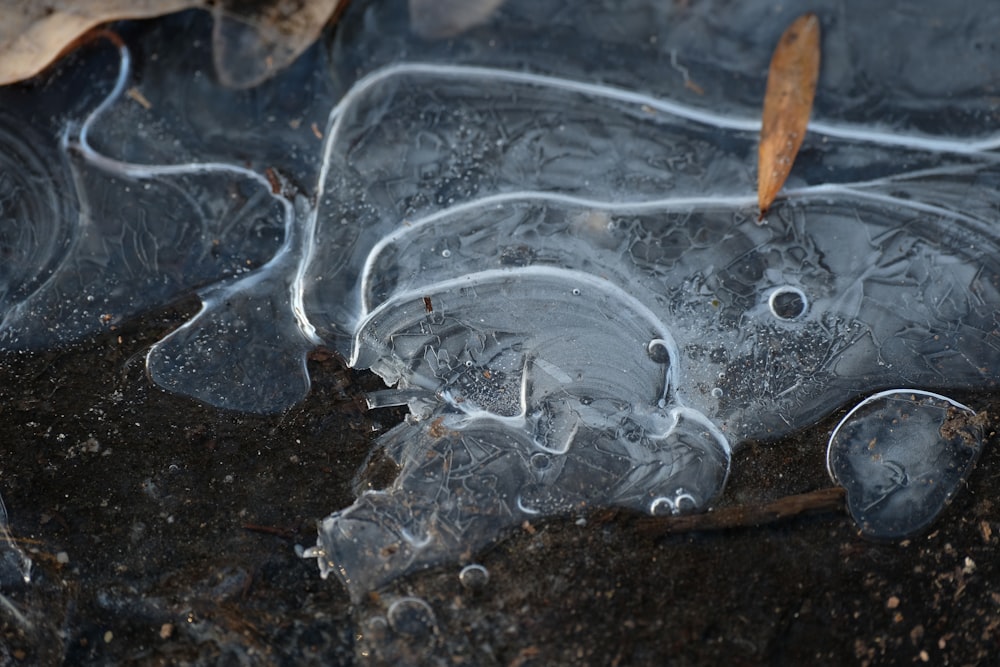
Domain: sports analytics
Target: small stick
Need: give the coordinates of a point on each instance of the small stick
(283, 533)
(825, 500)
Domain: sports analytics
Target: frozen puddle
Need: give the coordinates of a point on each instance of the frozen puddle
(563, 280)
(563, 346)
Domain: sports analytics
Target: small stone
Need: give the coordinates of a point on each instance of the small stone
(892, 602)
(166, 630)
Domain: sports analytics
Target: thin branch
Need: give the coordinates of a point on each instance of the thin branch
(825, 500)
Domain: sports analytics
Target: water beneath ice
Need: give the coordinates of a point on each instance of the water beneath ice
(541, 234)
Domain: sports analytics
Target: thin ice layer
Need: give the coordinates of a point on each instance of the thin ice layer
(874, 282)
(464, 481)
(414, 142)
(139, 234)
(510, 277)
(890, 271)
(133, 234)
(901, 455)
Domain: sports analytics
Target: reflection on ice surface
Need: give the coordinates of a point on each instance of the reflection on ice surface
(561, 278)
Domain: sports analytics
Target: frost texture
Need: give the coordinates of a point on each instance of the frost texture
(901, 455)
(541, 292)
(137, 235)
(547, 248)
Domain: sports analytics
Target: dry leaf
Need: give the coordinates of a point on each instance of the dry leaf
(34, 34)
(791, 86)
(252, 41)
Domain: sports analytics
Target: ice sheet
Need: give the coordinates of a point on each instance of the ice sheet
(541, 234)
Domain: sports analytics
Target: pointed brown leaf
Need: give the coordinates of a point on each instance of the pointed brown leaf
(791, 87)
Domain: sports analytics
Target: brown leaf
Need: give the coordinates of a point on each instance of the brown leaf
(252, 40)
(791, 86)
(34, 34)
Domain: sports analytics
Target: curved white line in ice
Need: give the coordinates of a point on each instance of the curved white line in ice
(701, 116)
(292, 245)
(659, 330)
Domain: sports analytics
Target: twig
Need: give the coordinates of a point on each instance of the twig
(824, 500)
(283, 533)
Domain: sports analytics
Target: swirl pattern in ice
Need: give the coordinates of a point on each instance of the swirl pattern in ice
(136, 235)
(570, 287)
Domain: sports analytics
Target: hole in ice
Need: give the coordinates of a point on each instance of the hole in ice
(659, 351)
(901, 455)
(681, 502)
(540, 461)
(787, 303)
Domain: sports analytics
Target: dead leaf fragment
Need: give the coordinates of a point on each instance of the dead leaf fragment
(33, 34)
(791, 87)
(252, 41)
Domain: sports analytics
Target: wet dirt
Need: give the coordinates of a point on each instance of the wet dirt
(163, 532)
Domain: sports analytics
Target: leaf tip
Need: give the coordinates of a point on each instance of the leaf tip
(788, 101)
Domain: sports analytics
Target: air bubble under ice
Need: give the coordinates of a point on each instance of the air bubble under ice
(554, 264)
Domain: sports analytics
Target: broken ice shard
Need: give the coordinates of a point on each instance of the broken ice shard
(901, 455)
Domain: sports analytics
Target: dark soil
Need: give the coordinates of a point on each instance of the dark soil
(162, 532)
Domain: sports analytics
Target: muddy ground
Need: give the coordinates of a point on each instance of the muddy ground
(163, 532)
